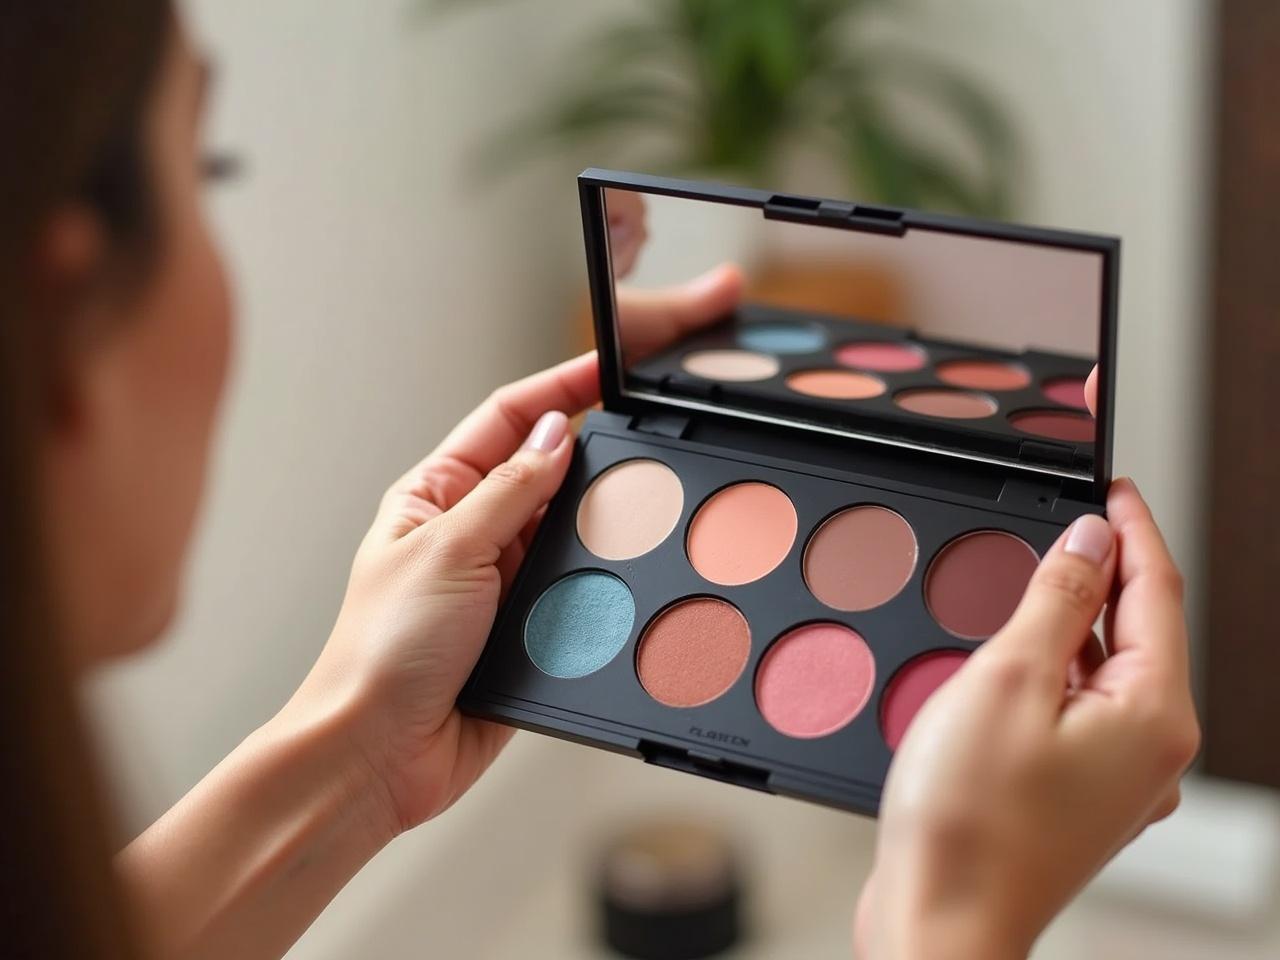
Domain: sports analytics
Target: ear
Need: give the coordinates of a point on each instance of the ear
(66, 274)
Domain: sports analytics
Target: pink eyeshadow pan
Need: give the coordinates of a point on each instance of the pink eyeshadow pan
(815, 680)
(911, 687)
(886, 357)
(1068, 391)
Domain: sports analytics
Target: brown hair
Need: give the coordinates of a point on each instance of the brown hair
(74, 81)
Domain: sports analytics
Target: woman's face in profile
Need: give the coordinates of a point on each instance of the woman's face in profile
(127, 459)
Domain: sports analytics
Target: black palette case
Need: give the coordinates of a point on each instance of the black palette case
(945, 479)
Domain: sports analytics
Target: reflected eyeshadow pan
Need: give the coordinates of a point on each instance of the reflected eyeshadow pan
(882, 357)
(815, 680)
(1055, 424)
(983, 374)
(835, 384)
(693, 652)
(948, 404)
(783, 338)
(579, 625)
(731, 366)
(630, 509)
(1068, 391)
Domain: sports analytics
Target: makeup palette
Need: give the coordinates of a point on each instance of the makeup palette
(788, 526)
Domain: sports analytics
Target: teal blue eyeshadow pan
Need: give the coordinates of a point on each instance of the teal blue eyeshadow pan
(579, 624)
(781, 338)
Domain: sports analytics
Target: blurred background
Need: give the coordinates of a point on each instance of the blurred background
(408, 238)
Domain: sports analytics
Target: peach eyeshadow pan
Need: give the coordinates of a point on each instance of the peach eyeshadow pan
(835, 384)
(742, 533)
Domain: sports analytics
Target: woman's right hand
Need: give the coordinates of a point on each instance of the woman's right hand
(1025, 773)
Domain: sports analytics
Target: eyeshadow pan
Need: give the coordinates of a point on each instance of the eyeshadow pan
(579, 624)
(742, 533)
(815, 680)
(911, 686)
(835, 384)
(949, 404)
(732, 366)
(983, 374)
(783, 338)
(1055, 425)
(860, 558)
(629, 509)
(693, 652)
(883, 357)
(1068, 391)
(976, 581)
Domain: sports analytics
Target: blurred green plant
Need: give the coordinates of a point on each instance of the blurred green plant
(731, 85)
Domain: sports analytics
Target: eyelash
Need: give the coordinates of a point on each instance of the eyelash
(217, 167)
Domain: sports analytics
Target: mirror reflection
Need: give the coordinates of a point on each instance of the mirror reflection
(933, 338)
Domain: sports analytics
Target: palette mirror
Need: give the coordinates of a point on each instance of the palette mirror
(922, 333)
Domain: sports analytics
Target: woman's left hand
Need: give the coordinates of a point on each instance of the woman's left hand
(445, 544)
(425, 585)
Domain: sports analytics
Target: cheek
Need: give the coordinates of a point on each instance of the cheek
(179, 365)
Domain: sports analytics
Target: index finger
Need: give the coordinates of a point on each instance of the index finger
(496, 429)
(1147, 615)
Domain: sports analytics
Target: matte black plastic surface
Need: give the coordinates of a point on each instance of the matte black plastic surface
(728, 739)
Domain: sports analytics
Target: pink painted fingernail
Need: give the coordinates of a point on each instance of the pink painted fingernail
(1090, 537)
(548, 432)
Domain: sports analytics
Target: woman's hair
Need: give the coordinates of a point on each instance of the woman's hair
(75, 76)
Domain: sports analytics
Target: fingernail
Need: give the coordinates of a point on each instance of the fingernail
(548, 432)
(1090, 537)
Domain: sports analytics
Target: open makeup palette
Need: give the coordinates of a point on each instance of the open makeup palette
(791, 524)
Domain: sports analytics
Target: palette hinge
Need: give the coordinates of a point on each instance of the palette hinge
(705, 763)
(837, 213)
(1024, 493)
(671, 425)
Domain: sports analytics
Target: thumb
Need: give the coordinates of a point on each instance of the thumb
(651, 319)
(706, 297)
(493, 514)
(1064, 598)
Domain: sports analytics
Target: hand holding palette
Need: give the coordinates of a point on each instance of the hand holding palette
(784, 531)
